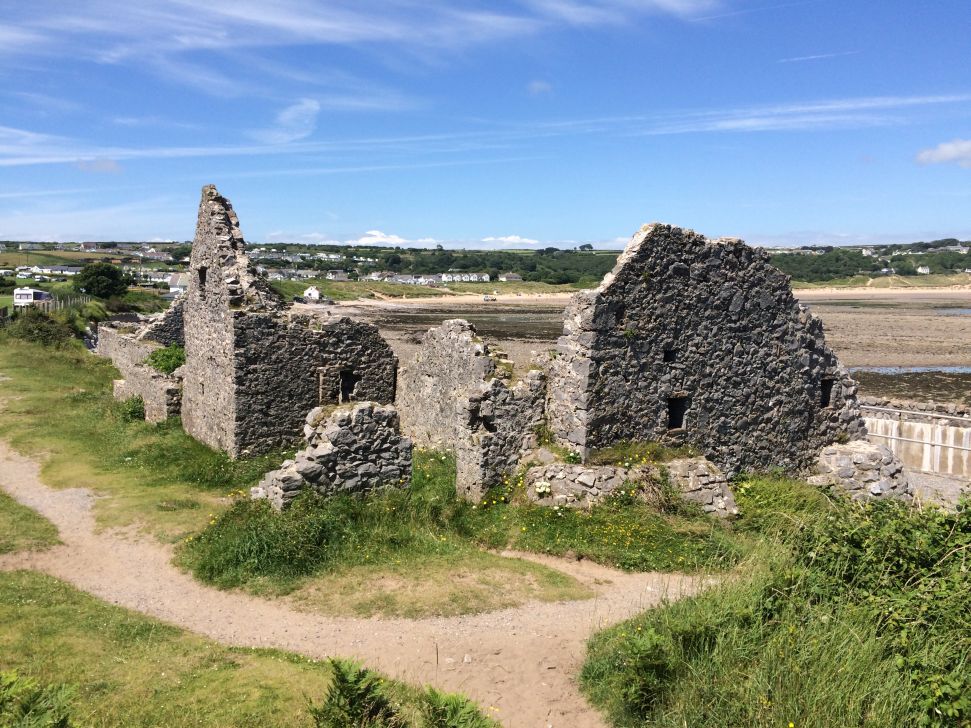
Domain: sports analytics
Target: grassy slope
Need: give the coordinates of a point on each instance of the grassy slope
(937, 280)
(21, 529)
(130, 670)
(6, 301)
(58, 404)
(839, 617)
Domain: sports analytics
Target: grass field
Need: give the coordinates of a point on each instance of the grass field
(128, 670)
(21, 529)
(6, 300)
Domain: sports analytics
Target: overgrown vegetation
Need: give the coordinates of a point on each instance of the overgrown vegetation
(360, 698)
(844, 615)
(25, 704)
(167, 359)
(99, 443)
(251, 544)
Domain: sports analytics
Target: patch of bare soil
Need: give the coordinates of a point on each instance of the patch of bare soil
(521, 663)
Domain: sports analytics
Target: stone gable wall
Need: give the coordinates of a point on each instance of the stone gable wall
(252, 371)
(714, 325)
(455, 395)
(354, 450)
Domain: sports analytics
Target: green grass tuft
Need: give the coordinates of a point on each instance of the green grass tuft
(22, 529)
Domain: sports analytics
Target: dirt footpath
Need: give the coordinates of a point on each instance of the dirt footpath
(519, 664)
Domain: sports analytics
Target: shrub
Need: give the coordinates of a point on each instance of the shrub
(168, 359)
(444, 710)
(32, 324)
(102, 280)
(355, 699)
(133, 409)
(24, 704)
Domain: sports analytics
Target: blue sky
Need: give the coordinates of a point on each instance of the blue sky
(504, 123)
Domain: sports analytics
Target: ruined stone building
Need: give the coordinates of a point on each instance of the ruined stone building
(456, 394)
(700, 342)
(252, 370)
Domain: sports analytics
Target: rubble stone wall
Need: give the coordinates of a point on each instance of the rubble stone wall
(122, 347)
(583, 486)
(161, 393)
(354, 450)
(252, 371)
(455, 395)
(863, 469)
(168, 327)
(285, 369)
(693, 341)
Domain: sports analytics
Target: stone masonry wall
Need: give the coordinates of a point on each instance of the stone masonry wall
(353, 450)
(456, 395)
(253, 371)
(582, 486)
(161, 393)
(283, 369)
(692, 341)
(863, 469)
(168, 327)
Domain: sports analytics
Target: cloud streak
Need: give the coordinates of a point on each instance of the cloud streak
(297, 121)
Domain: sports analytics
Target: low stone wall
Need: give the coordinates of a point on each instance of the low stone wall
(582, 486)
(456, 394)
(353, 450)
(121, 345)
(863, 469)
(161, 393)
(917, 409)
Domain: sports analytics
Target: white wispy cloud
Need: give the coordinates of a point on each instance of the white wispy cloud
(509, 240)
(817, 57)
(539, 88)
(295, 122)
(376, 237)
(101, 166)
(958, 151)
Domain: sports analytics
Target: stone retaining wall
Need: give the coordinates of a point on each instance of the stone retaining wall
(354, 450)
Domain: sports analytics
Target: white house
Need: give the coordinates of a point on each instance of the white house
(923, 270)
(311, 295)
(465, 277)
(178, 283)
(27, 296)
(510, 277)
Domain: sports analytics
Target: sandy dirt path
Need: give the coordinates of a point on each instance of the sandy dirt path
(519, 664)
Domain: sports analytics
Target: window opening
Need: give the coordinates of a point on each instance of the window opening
(670, 356)
(826, 393)
(348, 383)
(202, 277)
(677, 408)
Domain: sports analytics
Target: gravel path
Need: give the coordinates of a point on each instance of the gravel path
(520, 664)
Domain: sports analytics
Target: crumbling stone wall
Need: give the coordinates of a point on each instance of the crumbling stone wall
(863, 469)
(253, 371)
(456, 394)
(353, 450)
(168, 327)
(583, 486)
(161, 393)
(697, 341)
